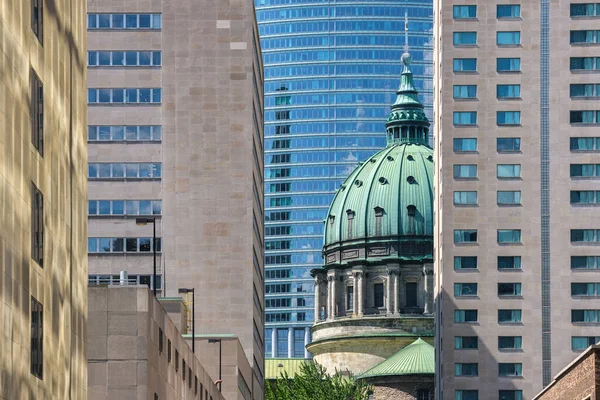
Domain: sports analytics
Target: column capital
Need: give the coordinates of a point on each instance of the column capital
(392, 271)
(330, 278)
(427, 270)
(357, 274)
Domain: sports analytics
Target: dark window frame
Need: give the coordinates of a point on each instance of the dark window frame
(37, 339)
(37, 19)
(37, 225)
(36, 111)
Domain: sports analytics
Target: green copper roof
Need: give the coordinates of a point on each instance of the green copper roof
(393, 183)
(274, 367)
(417, 358)
(391, 194)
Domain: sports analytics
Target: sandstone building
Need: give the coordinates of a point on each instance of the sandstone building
(374, 293)
(175, 131)
(43, 153)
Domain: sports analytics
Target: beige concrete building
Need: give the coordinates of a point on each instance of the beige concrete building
(43, 154)
(175, 134)
(517, 156)
(135, 350)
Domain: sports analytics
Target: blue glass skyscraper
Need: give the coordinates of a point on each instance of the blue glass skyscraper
(331, 71)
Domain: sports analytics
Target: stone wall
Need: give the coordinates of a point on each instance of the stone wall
(401, 388)
(580, 383)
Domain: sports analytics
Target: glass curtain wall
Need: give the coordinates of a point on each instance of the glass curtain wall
(331, 71)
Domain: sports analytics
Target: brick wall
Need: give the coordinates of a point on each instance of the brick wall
(579, 383)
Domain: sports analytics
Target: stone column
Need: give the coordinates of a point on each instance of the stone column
(359, 293)
(274, 342)
(428, 285)
(306, 340)
(329, 301)
(317, 298)
(396, 293)
(388, 300)
(355, 294)
(290, 342)
(334, 311)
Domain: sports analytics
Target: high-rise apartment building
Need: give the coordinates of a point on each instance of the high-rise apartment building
(176, 139)
(517, 161)
(43, 260)
(331, 68)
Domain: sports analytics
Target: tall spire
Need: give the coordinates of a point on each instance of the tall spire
(407, 122)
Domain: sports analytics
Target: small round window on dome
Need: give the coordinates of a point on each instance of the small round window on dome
(382, 180)
(411, 179)
(411, 210)
(373, 160)
(358, 183)
(410, 158)
(430, 158)
(390, 158)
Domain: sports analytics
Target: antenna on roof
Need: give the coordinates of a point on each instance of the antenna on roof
(406, 31)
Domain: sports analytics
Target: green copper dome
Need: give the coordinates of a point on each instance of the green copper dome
(417, 358)
(390, 196)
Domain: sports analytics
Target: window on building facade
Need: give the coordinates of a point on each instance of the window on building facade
(37, 339)
(169, 350)
(299, 342)
(37, 19)
(465, 91)
(464, 171)
(465, 289)
(378, 294)
(585, 289)
(465, 198)
(411, 291)
(584, 170)
(127, 133)
(465, 118)
(466, 369)
(584, 90)
(465, 236)
(465, 65)
(124, 207)
(124, 170)
(465, 262)
(508, 171)
(465, 342)
(504, 145)
(124, 21)
(350, 298)
(466, 394)
(465, 316)
(282, 342)
(584, 37)
(585, 316)
(509, 197)
(464, 38)
(37, 109)
(508, 64)
(508, 91)
(509, 289)
(508, 11)
(509, 262)
(510, 369)
(125, 95)
(465, 11)
(122, 245)
(585, 9)
(585, 262)
(512, 38)
(509, 236)
(508, 118)
(510, 395)
(423, 394)
(510, 342)
(584, 143)
(160, 340)
(585, 235)
(465, 145)
(583, 342)
(37, 225)
(124, 58)
(509, 316)
(176, 360)
(584, 63)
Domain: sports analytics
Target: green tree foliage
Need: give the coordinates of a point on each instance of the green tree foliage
(313, 383)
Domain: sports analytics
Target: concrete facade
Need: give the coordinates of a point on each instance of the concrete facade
(126, 359)
(207, 178)
(578, 380)
(544, 214)
(56, 277)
